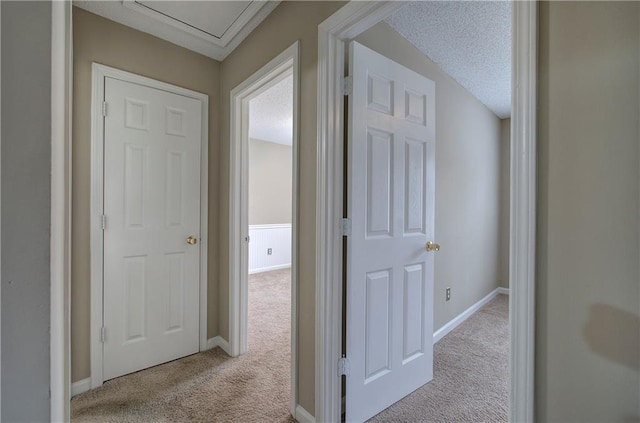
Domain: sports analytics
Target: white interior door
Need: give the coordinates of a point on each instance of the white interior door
(391, 204)
(152, 142)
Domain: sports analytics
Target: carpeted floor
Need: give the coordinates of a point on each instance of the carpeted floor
(210, 386)
(470, 374)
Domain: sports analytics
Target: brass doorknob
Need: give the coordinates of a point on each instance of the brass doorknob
(432, 246)
(192, 240)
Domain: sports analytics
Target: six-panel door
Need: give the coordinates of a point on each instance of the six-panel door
(152, 145)
(391, 204)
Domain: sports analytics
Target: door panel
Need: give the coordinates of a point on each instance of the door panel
(152, 145)
(135, 297)
(391, 204)
(414, 312)
(415, 185)
(379, 189)
(377, 324)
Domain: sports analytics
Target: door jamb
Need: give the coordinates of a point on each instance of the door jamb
(351, 20)
(60, 267)
(286, 63)
(99, 72)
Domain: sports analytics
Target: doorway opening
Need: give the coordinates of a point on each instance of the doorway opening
(269, 207)
(263, 209)
(417, 178)
(334, 35)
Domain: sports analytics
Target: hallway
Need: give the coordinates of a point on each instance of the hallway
(210, 386)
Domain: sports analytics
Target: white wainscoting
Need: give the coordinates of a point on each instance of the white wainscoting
(263, 237)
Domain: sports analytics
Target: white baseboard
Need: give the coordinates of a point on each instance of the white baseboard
(267, 269)
(218, 341)
(457, 321)
(303, 416)
(80, 386)
(503, 291)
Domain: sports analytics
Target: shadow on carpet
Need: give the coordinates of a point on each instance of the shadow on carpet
(210, 386)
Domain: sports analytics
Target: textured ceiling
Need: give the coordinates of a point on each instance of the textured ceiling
(271, 114)
(471, 41)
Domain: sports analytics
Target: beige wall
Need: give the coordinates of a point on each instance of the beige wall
(505, 186)
(467, 181)
(270, 182)
(587, 350)
(301, 21)
(96, 39)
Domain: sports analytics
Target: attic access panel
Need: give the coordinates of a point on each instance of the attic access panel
(211, 18)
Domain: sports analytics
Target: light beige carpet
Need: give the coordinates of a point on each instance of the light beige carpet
(210, 386)
(469, 385)
(470, 374)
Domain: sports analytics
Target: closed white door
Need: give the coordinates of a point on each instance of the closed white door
(152, 142)
(391, 204)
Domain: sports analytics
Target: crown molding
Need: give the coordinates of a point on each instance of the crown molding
(137, 16)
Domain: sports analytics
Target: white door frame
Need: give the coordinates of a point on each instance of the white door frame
(99, 72)
(283, 65)
(61, 114)
(351, 20)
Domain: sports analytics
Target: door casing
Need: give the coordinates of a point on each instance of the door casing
(283, 65)
(99, 72)
(348, 22)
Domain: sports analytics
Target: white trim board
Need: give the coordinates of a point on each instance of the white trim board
(60, 240)
(271, 226)
(99, 73)
(522, 233)
(503, 291)
(303, 416)
(54, 392)
(80, 386)
(282, 66)
(460, 318)
(351, 20)
(268, 269)
(219, 341)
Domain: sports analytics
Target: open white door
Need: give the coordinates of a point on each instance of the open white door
(391, 158)
(152, 143)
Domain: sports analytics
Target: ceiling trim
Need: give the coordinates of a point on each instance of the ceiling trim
(145, 19)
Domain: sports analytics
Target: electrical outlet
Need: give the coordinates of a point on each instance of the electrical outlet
(448, 294)
(269, 251)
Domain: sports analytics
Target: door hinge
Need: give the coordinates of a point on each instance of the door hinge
(247, 239)
(104, 108)
(345, 226)
(344, 367)
(103, 221)
(103, 334)
(347, 85)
